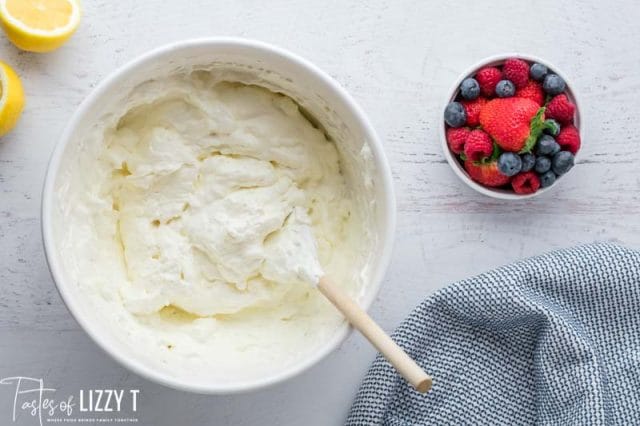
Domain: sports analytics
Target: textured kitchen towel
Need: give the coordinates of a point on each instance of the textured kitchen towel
(554, 339)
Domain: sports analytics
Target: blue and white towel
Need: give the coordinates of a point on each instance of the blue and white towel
(554, 340)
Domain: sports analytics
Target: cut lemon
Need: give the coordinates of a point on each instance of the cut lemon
(11, 99)
(39, 25)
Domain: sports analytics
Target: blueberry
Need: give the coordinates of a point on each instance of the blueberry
(553, 84)
(543, 164)
(469, 89)
(562, 162)
(547, 145)
(454, 114)
(528, 161)
(551, 127)
(538, 71)
(509, 164)
(547, 179)
(505, 89)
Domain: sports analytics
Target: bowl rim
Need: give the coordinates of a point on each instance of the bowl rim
(385, 237)
(451, 94)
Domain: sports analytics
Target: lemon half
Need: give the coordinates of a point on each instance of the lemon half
(39, 25)
(11, 99)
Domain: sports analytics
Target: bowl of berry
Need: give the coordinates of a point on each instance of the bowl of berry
(511, 127)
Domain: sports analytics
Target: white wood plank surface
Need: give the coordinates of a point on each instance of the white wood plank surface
(398, 59)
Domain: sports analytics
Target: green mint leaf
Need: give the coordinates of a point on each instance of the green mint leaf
(496, 151)
(535, 130)
(552, 126)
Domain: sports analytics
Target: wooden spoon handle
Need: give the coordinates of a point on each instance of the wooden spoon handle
(406, 366)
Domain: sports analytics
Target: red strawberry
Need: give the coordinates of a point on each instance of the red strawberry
(517, 71)
(478, 146)
(533, 90)
(514, 123)
(525, 183)
(488, 78)
(486, 173)
(456, 138)
(561, 109)
(569, 139)
(472, 108)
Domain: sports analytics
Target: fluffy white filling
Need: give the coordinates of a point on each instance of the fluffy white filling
(205, 213)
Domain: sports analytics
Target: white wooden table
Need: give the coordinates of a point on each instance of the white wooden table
(397, 58)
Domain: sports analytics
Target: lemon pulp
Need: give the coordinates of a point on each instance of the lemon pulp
(45, 15)
(39, 25)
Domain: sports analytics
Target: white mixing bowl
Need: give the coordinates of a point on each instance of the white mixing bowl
(279, 70)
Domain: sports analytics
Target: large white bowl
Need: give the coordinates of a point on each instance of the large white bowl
(320, 95)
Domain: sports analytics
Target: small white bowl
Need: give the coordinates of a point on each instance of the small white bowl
(325, 99)
(458, 169)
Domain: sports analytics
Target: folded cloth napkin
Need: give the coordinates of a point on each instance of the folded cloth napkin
(554, 339)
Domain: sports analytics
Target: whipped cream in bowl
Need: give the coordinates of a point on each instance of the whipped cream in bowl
(196, 198)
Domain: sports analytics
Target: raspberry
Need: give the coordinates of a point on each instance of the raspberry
(472, 108)
(569, 139)
(478, 146)
(561, 109)
(456, 138)
(533, 90)
(517, 71)
(525, 183)
(488, 78)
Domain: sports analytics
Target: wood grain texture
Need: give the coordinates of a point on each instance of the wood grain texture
(398, 59)
(406, 366)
